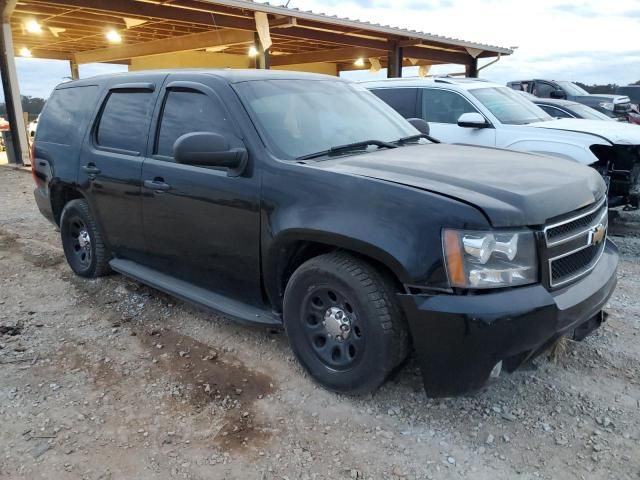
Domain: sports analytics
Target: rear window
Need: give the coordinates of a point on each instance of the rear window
(66, 114)
(403, 100)
(124, 121)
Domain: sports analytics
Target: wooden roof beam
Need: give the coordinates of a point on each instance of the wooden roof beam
(302, 33)
(166, 45)
(48, 54)
(128, 8)
(333, 55)
(71, 21)
(343, 67)
(436, 56)
(216, 19)
(283, 22)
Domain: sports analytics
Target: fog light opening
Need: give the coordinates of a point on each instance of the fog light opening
(497, 369)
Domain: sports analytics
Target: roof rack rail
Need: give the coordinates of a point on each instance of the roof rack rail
(452, 80)
(444, 79)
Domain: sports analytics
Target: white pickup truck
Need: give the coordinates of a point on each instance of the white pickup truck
(473, 111)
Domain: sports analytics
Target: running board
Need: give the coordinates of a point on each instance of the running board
(196, 295)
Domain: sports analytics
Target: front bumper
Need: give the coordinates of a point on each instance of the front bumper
(459, 339)
(622, 109)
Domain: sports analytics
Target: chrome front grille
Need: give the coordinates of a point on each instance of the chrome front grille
(574, 245)
(558, 232)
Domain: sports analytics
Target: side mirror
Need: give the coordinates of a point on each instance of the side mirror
(210, 150)
(472, 120)
(420, 125)
(557, 94)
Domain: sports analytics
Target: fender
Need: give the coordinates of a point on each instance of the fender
(617, 133)
(578, 153)
(558, 143)
(279, 252)
(394, 225)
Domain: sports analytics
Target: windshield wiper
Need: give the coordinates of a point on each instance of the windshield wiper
(413, 138)
(349, 147)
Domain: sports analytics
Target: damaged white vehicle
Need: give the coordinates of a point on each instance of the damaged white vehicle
(472, 111)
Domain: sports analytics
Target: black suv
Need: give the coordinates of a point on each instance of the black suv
(614, 106)
(302, 200)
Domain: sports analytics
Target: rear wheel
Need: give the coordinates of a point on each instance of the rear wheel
(344, 323)
(82, 242)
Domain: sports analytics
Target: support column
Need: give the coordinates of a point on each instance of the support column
(75, 72)
(471, 69)
(394, 62)
(262, 59)
(12, 94)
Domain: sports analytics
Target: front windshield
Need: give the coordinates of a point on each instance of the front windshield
(589, 113)
(509, 107)
(572, 89)
(302, 117)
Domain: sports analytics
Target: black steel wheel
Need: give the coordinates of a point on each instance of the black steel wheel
(344, 323)
(333, 328)
(83, 247)
(79, 242)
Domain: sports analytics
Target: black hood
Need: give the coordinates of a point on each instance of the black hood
(513, 189)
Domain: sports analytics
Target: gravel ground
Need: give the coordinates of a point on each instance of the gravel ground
(109, 379)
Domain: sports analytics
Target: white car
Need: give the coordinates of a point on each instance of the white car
(33, 126)
(473, 111)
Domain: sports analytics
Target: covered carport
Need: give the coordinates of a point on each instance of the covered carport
(147, 34)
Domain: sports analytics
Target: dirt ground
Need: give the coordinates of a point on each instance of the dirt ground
(110, 379)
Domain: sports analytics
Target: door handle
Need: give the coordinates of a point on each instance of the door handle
(91, 169)
(157, 184)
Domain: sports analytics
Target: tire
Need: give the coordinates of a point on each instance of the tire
(344, 323)
(82, 242)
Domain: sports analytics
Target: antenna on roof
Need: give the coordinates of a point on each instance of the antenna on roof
(286, 5)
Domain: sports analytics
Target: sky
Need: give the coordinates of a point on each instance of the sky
(591, 41)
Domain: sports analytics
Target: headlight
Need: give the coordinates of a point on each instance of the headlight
(606, 105)
(490, 259)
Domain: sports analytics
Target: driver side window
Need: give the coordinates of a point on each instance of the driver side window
(543, 90)
(444, 106)
(187, 111)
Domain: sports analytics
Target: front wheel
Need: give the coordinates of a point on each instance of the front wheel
(344, 323)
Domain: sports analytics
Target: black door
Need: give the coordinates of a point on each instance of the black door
(200, 225)
(111, 163)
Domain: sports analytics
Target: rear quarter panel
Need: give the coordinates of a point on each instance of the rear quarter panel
(62, 128)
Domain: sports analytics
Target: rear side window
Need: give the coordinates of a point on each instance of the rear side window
(444, 106)
(187, 111)
(555, 112)
(403, 100)
(124, 121)
(66, 114)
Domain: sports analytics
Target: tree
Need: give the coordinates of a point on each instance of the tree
(608, 88)
(31, 105)
(595, 89)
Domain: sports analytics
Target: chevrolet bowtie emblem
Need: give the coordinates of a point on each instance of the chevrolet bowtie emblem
(597, 234)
